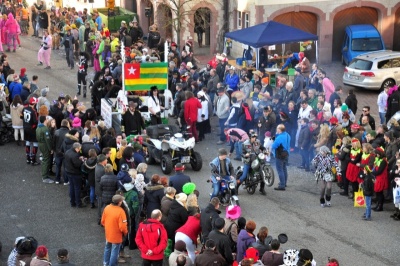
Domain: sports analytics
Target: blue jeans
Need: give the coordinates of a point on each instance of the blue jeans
(368, 200)
(305, 160)
(246, 168)
(92, 195)
(221, 122)
(75, 184)
(382, 118)
(59, 161)
(111, 252)
(238, 149)
(281, 168)
(212, 95)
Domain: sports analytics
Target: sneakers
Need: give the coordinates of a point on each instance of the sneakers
(220, 142)
(48, 67)
(34, 163)
(84, 95)
(66, 184)
(48, 181)
(328, 203)
(366, 219)
(57, 182)
(40, 64)
(323, 205)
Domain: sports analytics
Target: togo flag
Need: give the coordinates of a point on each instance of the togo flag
(140, 77)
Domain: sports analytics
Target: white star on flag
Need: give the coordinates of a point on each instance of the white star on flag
(131, 71)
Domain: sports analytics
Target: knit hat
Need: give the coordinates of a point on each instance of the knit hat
(41, 251)
(33, 101)
(268, 134)
(44, 91)
(76, 122)
(180, 246)
(372, 133)
(23, 71)
(344, 108)
(252, 254)
(380, 151)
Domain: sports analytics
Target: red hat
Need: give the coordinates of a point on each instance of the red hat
(252, 254)
(355, 126)
(33, 101)
(333, 120)
(41, 251)
(380, 151)
(354, 140)
(173, 44)
(23, 71)
(179, 167)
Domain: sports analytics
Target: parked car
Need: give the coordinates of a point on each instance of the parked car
(373, 71)
(360, 39)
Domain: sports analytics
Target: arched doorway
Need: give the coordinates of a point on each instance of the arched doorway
(146, 15)
(396, 34)
(202, 22)
(305, 21)
(164, 18)
(350, 16)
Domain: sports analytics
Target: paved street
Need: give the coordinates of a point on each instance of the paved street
(29, 207)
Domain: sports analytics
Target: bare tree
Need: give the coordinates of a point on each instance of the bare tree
(183, 14)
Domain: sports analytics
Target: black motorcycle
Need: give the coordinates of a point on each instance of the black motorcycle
(227, 194)
(259, 171)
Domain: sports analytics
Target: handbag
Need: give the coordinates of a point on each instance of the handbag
(396, 195)
(359, 200)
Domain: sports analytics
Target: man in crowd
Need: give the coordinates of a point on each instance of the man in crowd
(179, 179)
(222, 241)
(281, 150)
(46, 148)
(59, 137)
(73, 163)
(132, 120)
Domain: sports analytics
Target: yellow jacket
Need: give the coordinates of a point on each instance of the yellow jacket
(114, 43)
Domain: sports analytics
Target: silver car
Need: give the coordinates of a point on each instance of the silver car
(373, 71)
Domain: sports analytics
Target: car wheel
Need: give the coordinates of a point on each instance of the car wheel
(387, 83)
(149, 159)
(196, 161)
(166, 164)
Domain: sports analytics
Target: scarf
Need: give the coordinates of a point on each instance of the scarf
(247, 112)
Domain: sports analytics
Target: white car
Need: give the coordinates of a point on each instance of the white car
(373, 71)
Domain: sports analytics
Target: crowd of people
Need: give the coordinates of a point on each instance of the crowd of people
(161, 216)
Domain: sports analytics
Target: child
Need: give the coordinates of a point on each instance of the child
(268, 145)
(368, 189)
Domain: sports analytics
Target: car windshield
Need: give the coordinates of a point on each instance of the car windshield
(366, 44)
(360, 64)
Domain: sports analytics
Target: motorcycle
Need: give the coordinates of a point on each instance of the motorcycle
(165, 145)
(259, 171)
(227, 194)
(6, 129)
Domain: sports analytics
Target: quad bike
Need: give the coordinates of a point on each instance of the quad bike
(6, 129)
(260, 170)
(167, 146)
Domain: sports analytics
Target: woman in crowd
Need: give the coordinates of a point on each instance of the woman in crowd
(188, 233)
(166, 202)
(141, 170)
(153, 195)
(353, 170)
(90, 165)
(202, 115)
(245, 239)
(381, 177)
(16, 120)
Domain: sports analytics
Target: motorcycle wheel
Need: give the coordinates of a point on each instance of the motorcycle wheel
(166, 164)
(233, 202)
(251, 189)
(4, 137)
(268, 175)
(149, 159)
(225, 200)
(196, 161)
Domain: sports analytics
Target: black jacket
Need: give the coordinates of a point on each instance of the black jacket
(208, 216)
(368, 185)
(58, 140)
(90, 166)
(108, 187)
(344, 157)
(69, 140)
(178, 180)
(152, 198)
(177, 216)
(351, 102)
(209, 257)
(223, 245)
(371, 121)
(133, 123)
(86, 146)
(304, 137)
(99, 171)
(72, 162)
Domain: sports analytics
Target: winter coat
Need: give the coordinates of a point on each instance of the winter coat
(15, 88)
(72, 163)
(223, 245)
(108, 187)
(152, 198)
(11, 25)
(178, 180)
(177, 217)
(16, 112)
(351, 102)
(208, 216)
(165, 207)
(90, 166)
(123, 178)
(86, 146)
(99, 171)
(304, 137)
(191, 109)
(58, 140)
(43, 20)
(69, 140)
(191, 228)
(114, 221)
(368, 185)
(151, 235)
(244, 242)
(209, 257)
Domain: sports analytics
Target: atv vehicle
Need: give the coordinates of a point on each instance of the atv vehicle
(167, 146)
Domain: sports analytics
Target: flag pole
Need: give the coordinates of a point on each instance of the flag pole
(123, 65)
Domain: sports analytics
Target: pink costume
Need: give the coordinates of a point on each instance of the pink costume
(329, 88)
(96, 61)
(12, 29)
(45, 52)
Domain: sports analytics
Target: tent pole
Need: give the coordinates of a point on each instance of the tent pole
(224, 50)
(316, 52)
(258, 58)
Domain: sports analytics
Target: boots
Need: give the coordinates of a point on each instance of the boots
(84, 91)
(93, 206)
(328, 201)
(322, 201)
(79, 90)
(395, 214)
(28, 159)
(379, 208)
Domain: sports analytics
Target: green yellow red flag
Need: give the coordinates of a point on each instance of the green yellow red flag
(140, 77)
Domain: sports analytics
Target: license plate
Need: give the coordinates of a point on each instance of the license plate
(185, 159)
(353, 77)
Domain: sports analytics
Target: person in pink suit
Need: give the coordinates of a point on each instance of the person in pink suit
(45, 51)
(3, 29)
(11, 27)
(96, 61)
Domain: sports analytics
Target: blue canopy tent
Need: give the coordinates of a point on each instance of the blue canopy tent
(270, 33)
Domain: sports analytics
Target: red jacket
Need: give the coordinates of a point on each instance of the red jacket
(191, 228)
(191, 107)
(152, 235)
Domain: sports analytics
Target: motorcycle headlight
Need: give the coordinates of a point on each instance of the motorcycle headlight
(255, 164)
(261, 156)
(231, 185)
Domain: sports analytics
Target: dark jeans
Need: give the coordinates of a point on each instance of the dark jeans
(69, 55)
(305, 160)
(152, 262)
(75, 184)
(281, 168)
(221, 122)
(59, 164)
